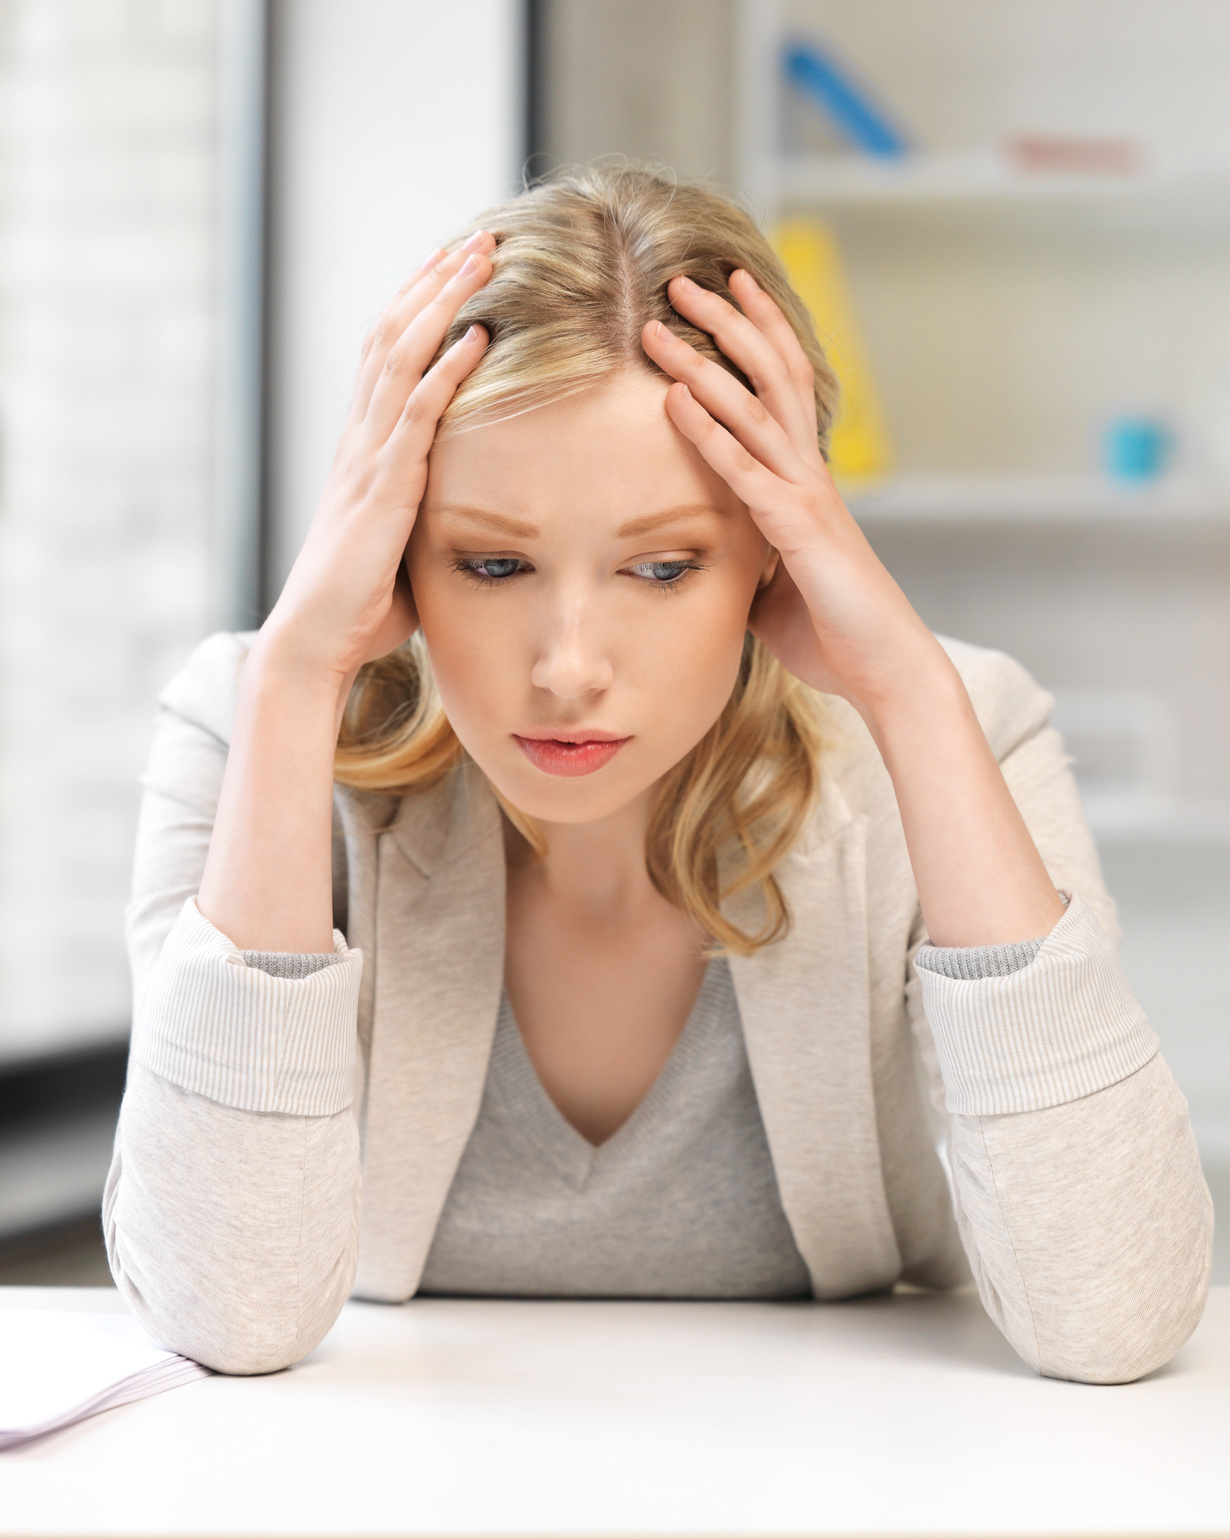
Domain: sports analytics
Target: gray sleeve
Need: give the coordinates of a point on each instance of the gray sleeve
(231, 1207)
(1076, 1178)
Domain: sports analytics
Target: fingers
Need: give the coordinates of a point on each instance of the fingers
(786, 514)
(764, 313)
(722, 395)
(387, 326)
(773, 361)
(438, 255)
(750, 480)
(411, 353)
(415, 429)
(420, 289)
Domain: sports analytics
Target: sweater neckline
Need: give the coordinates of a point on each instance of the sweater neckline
(572, 1156)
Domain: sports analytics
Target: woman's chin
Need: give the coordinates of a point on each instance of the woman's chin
(571, 807)
(554, 798)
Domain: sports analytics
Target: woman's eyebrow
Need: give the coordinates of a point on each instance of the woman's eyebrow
(500, 522)
(638, 526)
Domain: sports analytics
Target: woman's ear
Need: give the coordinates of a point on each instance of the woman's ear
(768, 570)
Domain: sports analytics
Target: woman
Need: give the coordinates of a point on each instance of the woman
(646, 884)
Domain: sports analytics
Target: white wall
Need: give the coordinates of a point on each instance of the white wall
(395, 121)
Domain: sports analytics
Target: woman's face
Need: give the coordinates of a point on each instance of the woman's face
(583, 581)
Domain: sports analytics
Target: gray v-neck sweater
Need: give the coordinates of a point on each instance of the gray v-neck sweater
(681, 1202)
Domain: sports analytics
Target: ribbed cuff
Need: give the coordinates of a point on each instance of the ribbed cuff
(1061, 1027)
(973, 963)
(243, 1036)
(289, 964)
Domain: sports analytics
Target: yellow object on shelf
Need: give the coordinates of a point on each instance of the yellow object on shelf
(858, 447)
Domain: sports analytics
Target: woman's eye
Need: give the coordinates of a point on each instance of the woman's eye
(492, 568)
(663, 572)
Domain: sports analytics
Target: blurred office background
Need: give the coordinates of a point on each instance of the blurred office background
(1011, 219)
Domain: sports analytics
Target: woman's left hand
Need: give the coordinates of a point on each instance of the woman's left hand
(831, 613)
(838, 621)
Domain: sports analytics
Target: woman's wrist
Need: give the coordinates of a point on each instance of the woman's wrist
(280, 663)
(916, 689)
(980, 878)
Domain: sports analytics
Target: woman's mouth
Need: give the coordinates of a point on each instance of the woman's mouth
(569, 756)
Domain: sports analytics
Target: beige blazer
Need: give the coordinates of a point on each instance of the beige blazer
(284, 1140)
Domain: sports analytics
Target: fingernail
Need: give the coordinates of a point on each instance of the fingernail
(659, 330)
(687, 282)
(431, 259)
(475, 240)
(685, 389)
(471, 266)
(471, 335)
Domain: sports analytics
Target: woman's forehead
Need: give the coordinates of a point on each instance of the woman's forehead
(611, 448)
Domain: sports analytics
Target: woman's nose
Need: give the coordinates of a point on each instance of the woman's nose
(572, 661)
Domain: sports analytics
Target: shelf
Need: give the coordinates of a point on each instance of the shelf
(979, 176)
(1025, 499)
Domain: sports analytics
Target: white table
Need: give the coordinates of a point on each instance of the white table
(894, 1416)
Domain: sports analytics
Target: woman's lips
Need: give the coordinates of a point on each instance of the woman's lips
(557, 756)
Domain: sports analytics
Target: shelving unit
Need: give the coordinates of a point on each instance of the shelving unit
(981, 175)
(1008, 315)
(1164, 506)
(1093, 291)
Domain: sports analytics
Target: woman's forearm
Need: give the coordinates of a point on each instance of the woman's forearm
(268, 881)
(980, 878)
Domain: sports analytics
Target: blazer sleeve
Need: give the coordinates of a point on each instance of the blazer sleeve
(1077, 1182)
(231, 1208)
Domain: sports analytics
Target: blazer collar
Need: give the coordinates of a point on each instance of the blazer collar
(446, 822)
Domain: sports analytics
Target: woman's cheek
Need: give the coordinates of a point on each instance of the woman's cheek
(471, 663)
(694, 664)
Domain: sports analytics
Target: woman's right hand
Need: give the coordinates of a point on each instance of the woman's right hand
(267, 883)
(347, 599)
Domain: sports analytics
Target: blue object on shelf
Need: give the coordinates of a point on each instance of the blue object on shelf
(1135, 449)
(815, 74)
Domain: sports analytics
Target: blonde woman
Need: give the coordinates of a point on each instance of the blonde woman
(558, 893)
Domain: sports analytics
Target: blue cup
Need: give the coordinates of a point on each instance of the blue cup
(1135, 449)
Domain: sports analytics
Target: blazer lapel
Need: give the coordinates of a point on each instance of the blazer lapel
(437, 972)
(805, 1005)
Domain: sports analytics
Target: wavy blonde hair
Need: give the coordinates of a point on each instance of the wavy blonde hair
(581, 264)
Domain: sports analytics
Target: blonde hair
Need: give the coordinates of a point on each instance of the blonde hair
(581, 264)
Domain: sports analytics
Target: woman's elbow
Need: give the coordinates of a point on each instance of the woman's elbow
(235, 1318)
(1132, 1324)
(242, 1335)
